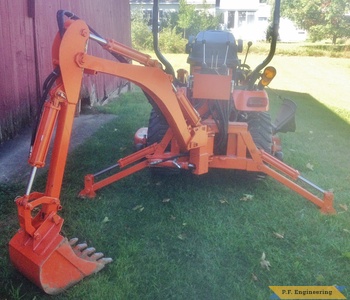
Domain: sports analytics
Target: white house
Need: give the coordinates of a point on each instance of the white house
(248, 19)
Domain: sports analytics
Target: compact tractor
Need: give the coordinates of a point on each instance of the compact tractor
(216, 116)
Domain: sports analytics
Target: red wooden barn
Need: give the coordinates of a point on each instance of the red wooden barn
(28, 28)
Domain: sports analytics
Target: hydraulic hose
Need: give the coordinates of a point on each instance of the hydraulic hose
(60, 19)
(60, 22)
(50, 80)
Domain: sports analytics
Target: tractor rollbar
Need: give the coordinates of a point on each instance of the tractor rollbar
(276, 20)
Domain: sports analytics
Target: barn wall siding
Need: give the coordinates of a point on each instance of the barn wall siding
(17, 68)
(26, 52)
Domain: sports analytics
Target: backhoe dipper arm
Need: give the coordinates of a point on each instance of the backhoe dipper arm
(38, 250)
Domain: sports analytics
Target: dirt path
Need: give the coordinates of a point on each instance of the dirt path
(14, 154)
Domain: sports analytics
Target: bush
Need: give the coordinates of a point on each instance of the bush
(141, 35)
(171, 42)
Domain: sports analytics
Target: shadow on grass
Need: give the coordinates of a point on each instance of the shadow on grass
(322, 135)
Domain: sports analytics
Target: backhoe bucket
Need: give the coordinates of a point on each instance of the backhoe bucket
(57, 267)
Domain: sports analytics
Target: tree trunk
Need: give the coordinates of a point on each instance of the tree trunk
(334, 39)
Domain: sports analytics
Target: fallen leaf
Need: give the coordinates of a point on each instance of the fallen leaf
(158, 183)
(279, 235)
(138, 208)
(224, 201)
(310, 166)
(247, 197)
(311, 132)
(181, 236)
(184, 224)
(122, 148)
(166, 200)
(344, 207)
(320, 278)
(254, 277)
(346, 230)
(105, 220)
(172, 217)
(265, 264)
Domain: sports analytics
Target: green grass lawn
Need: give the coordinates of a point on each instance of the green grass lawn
(190, 237)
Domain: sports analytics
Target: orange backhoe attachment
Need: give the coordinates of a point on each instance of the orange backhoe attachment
(38, 249)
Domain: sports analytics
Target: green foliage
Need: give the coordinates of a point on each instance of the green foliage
(188, 19)
(186, 16)
(322, 18)
(141, 34)
(170, 41)
(192, 21)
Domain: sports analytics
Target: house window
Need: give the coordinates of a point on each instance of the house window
(242, 17)
(231, 19)
(245, 17)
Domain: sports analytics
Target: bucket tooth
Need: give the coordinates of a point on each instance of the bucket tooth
(80, 247)
(88, 251)
(96, 255)
(73, 241)
(59, 266)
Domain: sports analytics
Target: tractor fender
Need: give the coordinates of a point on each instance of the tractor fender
(250, 100)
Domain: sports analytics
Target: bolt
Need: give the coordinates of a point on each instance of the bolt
(61, 94)
(80, 58)
(37, 236)
(84, 33)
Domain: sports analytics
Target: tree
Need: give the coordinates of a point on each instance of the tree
(192, 21)
(322, 18)
(141, 35)
(186, 16)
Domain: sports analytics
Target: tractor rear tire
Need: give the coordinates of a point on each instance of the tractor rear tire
(260, 128)
(157, 128)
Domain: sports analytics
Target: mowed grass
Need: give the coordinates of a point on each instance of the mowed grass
(190, 237)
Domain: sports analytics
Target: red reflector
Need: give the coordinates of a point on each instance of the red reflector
(256, 102)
